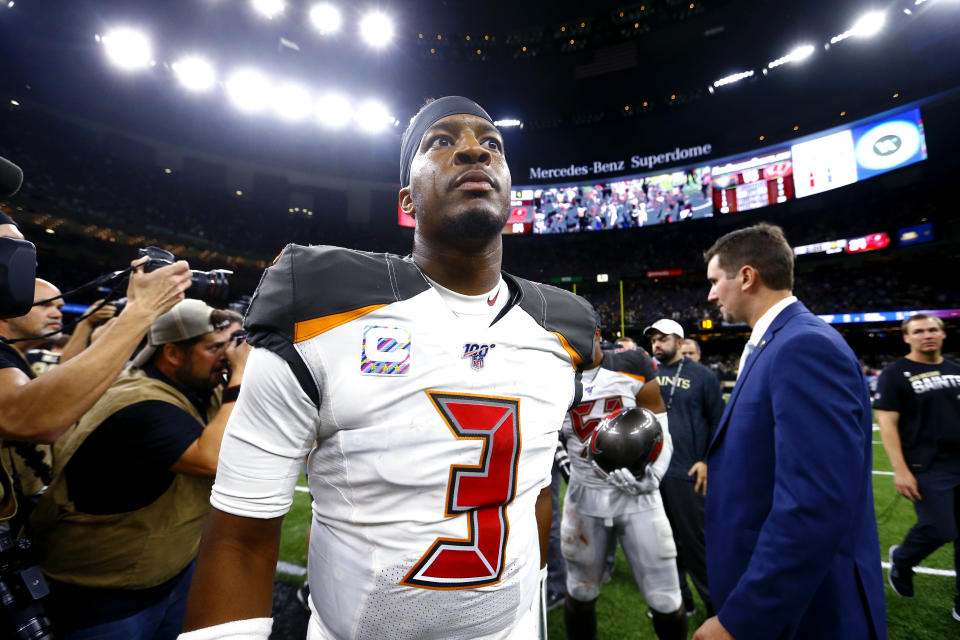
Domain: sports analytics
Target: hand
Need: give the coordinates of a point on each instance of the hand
(699, 468)
(906, 485)
(101, 329)
(157, 292)
(711, 629)
(625, 481)
(102, 314)
(237, 354)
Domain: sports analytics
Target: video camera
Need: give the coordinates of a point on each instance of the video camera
(22, 589)
(18, 258)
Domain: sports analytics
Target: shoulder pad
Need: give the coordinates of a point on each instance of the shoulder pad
(632, 362)
(563, 313)
(309, 290)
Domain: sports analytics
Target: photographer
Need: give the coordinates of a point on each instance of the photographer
(142, 460)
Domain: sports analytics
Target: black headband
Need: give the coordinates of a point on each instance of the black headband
(436, 110)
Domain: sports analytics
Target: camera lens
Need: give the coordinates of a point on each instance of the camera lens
(211, 286)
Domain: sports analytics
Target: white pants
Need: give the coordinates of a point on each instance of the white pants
(647, 541)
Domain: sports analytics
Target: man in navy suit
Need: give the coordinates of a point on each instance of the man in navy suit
(792, 549)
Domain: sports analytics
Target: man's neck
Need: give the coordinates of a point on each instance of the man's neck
(23, 346)
(764, 303)
(935, 357)
(468, 270)
(677, 358)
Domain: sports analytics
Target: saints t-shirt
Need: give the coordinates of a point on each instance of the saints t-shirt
(927, 397)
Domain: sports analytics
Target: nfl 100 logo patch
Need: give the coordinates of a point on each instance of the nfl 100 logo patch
(385, 351)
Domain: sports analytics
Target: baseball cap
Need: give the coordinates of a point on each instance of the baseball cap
(666, 327)
(188, 319)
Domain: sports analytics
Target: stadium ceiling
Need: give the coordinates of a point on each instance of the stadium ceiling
(563, 64)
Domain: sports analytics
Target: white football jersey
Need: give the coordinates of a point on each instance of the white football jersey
(612, 386)
(435, 435)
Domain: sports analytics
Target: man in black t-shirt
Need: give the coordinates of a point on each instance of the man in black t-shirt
(141, 460)
(918, 408)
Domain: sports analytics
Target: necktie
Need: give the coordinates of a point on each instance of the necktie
(747, 350)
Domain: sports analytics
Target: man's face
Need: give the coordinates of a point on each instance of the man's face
(726, 292)
(664, 347)
(204, 362)
(689, 350)
(41, 319)
(460, 182)
(924, 336)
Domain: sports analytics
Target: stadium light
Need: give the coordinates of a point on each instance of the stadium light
(798, 54)
(194, 73)
(268, 8)
(248, 90)
(736, 77)
(293, 102)
(128, 48)
(376, 29)
(333, 111)
(866, 26)
(372, 116)
(508, 123)
(325, 18)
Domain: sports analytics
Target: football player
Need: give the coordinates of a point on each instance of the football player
(619, 504)
(434, 386)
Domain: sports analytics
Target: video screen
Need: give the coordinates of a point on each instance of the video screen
(863, 151)
(623, 204)
(752, 183)
(745, 182)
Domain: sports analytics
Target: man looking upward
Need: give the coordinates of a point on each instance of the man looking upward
(434, 387)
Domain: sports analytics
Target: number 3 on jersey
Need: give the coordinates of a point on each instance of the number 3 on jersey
(480, 491)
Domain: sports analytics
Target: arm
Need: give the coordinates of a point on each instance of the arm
(271, 429)
(712, 412)
(233, 579)
(80, 338)
(201, 458)
(40, 410)
(903, 478)
(821, 450)
(544, 518)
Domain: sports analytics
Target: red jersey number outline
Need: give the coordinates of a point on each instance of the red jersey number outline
(481, 492)
(584, 428)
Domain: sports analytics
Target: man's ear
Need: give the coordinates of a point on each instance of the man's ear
(749, 277)
(172, 354)
(406, 202)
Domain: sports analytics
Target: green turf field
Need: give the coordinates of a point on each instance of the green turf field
(621, 612)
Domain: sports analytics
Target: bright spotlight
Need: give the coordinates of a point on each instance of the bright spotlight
(798, 54)
(268, 8)
(194, 73)
(249, 90)
(376, 29)
(128, 48)
(292, 102)
(868, 25)
(736, 77)
(333, 111)
(372, 116)
(325, 18)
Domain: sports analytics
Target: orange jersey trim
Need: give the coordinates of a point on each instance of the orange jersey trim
(633, 375)
(575, 359)
(307, 329)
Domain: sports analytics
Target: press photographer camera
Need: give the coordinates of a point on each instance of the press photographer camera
(209, 286)
(22, 586)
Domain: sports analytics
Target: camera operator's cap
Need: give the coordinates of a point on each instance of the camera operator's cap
(665, 326)
(188, 319)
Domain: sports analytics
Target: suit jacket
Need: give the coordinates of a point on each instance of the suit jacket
(792, 548)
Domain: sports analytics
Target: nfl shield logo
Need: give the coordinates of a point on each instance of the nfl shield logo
(476, 353)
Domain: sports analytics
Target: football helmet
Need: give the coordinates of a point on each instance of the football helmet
(627, 439)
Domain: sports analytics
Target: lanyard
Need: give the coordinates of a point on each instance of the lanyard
(673, 386)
